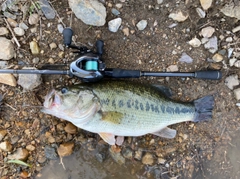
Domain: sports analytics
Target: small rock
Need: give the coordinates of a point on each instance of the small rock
(24, 174)
(47, 10)
(60, 28)
(8, 79)
(20, 154)
(50, 153)
(119, 5)
(100, 157)
(212, 44)
(51, 60)
(61, 54)
(19, 31)
(229, 39)
(23, 26)
(30, 147)
(127, 153)
(206, 4)
(91, 12)
(161, 161)
(138, 154)
(195, 42)
(126, 31)
(217, 57)
(29, 82)
(141, 25)
(33, 19)
(2, 134)
(114, 24)
(185, 58)
(159, 1)
(147, 159)
(6, 49)
(65, 149)
(6, 146)
(3, 31)
(52, 45)
(172, 68)
(70, 128)
(179, 16)
(237, 64)
(34, 48)
(12, 22)
(232, 61)
(237, 93)
(236, 29)
(115, 12)
(35, 60)
(41, 159)
(207, 32)
(201, 13)
(232, 81)
(117, 157)
(231, 10)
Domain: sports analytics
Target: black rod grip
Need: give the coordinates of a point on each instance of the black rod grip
(99, 45)
(67, 36)
(121, 73)
(211, 75)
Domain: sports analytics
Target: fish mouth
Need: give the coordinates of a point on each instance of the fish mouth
(51, 100)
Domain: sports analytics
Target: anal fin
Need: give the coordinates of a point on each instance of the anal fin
(166, 133)
(107, 137)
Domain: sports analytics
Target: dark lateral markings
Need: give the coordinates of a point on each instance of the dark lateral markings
(131, 104)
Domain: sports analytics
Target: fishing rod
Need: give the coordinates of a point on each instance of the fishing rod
(89, 66)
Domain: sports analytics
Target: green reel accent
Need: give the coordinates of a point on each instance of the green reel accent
(91, 65)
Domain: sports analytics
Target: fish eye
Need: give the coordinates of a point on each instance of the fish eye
(64, 90)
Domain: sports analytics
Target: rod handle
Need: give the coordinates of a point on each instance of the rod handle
(67, 36)
(121, 73)
(210, 75)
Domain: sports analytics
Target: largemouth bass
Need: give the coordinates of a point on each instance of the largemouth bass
(120, 108)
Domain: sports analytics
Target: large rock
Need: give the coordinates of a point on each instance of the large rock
(6, 49)
(91, 12)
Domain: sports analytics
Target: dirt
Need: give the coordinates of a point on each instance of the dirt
(202, 150)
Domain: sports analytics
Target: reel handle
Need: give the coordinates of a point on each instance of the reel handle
(67, 36)
(99, 45)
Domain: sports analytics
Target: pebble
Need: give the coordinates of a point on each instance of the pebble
(114, 24)
(201, 13)
(232, 61)
(237, 64)
(23, 25)
(6, 146)
(127, 153)
(2, 134)
(126, 31)
(172, 68)
(47, 10)
(33, 19)
(30, 147)
(237, 93)
(206, 4)
(231, 10)
(179, 16)
(147, 159)
(60, 28)
(119, 5)
(232, 81)
(8, 79)
(229, 39)
(115, 12)
(19, 31)
(195, 42)
(52, 45)
(24, 174)
(65, 149)
(159, 1)
(138, 154)
(217, 57)
(34, 47)
(141, 25)
(236, 29)
(7, 51)
(50, 153)
(70, 128)
(29, 82)
(20, 154)
(61, 54)
(207, 32)
(116, 156)
(3, 31)
(93, 13)
(35, 60)
(212, 44)
(185, 58)
(41, 159)
(12, 22)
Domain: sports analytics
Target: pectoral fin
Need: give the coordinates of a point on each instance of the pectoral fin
(107, 137)
(166, 133)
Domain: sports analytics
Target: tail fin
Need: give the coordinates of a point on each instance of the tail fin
(203, 107)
